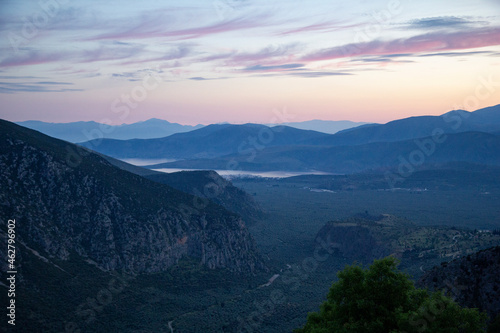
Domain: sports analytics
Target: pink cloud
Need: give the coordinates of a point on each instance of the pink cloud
(268, 55)
(31, 58)
(147, 30)
(432, 42)
(326, 27)
(175, 54)
(101, 53)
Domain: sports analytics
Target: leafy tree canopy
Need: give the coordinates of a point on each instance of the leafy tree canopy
(382, 299)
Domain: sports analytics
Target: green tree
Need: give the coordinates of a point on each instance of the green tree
(382, 299)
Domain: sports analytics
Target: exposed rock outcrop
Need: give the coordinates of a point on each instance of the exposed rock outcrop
(472, 281)
(68, 201)
(210, 185)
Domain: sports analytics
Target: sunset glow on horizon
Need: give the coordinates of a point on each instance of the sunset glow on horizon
(242, 61)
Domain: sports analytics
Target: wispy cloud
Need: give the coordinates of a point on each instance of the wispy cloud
(382, 59)
(441, 22)
(295, 70)
(398, 57)
(11, 77)
(273, 68)
(432, 42)
(175, 53)
(53, 83)
(111, 52)
(313, 74)
(32, 58)
(270, 55)
(148, 29)
(457, 54)
(318, 27)
(15, 87)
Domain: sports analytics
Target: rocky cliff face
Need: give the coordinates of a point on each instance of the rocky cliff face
(472, 281)
(84, 206)
(210, 185)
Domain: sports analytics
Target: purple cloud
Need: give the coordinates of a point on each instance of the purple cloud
(273, 68)
(148, 29)
(15, 87)
(432, 42)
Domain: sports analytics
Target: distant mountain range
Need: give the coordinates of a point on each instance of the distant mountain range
(484, 120)
(457, 136)
(324, 126)
(470, 147)
(208, 142)
(470, 137)
(88, 130)
(82, 131)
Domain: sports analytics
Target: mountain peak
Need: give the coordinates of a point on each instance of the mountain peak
(155, 121)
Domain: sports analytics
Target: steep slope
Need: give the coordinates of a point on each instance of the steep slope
(81, 205)
(473, 281)
(86, 130)
(483, 120)
(211, 186)
(470, 147)
(138, 170)
(208, 142)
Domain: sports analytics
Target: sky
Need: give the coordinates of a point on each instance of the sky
(242, 61)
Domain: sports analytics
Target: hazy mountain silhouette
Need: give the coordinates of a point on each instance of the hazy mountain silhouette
(88, 130)
(470, 147)
(483, 120)
(207, 142)
(324, 126)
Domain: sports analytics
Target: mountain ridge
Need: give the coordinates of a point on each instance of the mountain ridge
(207, 142)
(249, 140)
(324, 126)
(118, 219)
(456, 121)
(471, 147)
(82, 131)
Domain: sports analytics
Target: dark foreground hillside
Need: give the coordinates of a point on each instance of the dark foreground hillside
(472, 281)
(115, 218)
(90, 239)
